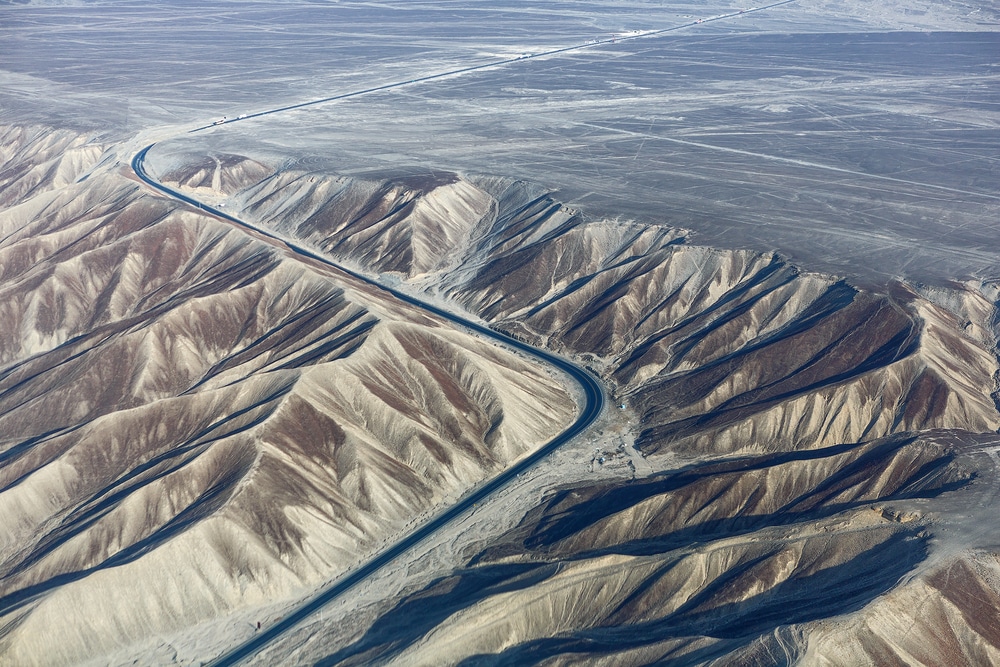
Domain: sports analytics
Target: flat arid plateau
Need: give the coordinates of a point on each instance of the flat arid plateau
(268, 388)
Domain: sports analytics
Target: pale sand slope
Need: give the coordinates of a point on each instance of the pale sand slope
(718, 350)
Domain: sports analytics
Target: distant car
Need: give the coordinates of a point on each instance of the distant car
(220, 121)
(241, 116)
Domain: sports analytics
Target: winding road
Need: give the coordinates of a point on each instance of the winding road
(593, 404)
(593, 394)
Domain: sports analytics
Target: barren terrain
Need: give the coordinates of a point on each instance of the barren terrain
(768, 232)
(179, 397)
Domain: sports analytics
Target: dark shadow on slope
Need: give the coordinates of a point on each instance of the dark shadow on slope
(208, 503)
(16, 451)
(286, 338)
(836, 590)
(34, 377)
(833, 590)
(742, 298)
(573, 510)
(421, 612)
(817, 366)
(91, 511)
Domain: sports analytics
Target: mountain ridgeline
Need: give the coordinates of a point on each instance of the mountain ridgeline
(194, 420)
(720, 351)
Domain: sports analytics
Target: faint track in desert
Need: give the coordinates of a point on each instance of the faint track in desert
(496, 63)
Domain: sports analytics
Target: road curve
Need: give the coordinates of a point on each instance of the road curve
(592, 391)
(592, 406)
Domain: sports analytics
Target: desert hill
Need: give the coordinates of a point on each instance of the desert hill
(193, 420)
(735, 562)
(196, 420)
(718, 350)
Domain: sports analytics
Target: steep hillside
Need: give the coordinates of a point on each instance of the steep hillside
(37, 158)
(719, 351)
(410, 226)
(193, 420)
(226, 174)
(745, 561)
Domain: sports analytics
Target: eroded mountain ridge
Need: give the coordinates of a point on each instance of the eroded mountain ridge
(180, 397)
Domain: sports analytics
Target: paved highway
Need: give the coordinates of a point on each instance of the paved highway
(497, 63)
(592, 406)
